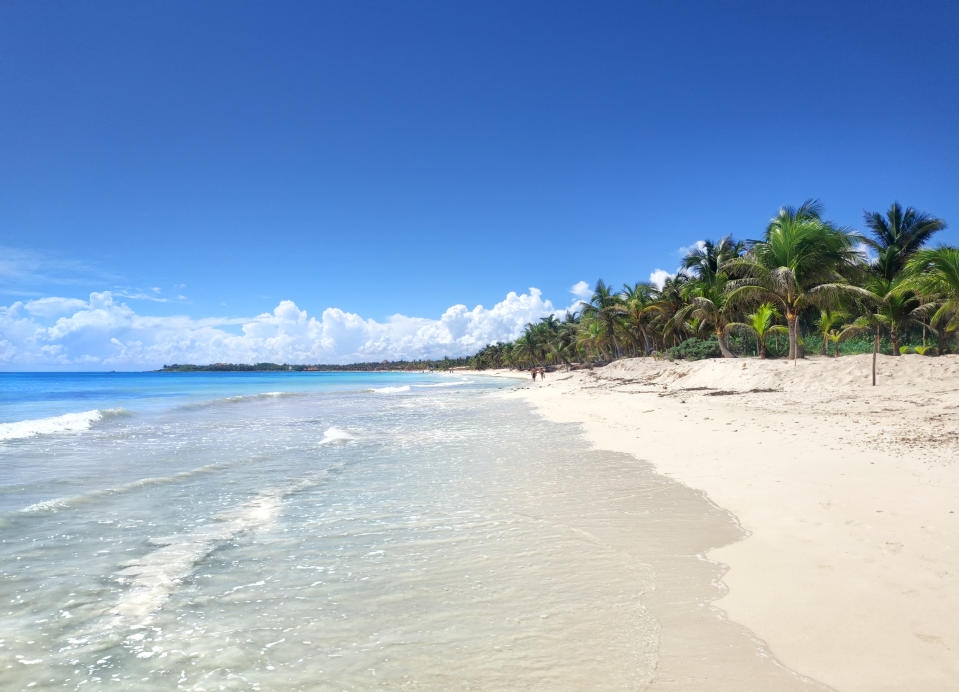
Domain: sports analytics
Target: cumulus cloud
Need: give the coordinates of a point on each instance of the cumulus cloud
(581, 290)
(53, 307)
(658, 277)
(104, 333)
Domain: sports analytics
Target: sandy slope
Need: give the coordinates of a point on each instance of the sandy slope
(851, 493)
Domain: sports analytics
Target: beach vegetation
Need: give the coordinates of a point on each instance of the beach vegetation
(807, 285)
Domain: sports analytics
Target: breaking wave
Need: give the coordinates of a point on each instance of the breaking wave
(68, 422)
(61, 503)
(390, 390)
(240, 398)
(152, 578)
(334, 434)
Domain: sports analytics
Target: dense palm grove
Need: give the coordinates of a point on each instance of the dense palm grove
(807, 286)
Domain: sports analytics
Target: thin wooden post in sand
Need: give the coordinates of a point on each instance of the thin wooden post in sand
(875, 350)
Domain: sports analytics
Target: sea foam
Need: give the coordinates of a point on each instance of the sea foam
(153, 577)
(390, 390)
(334, 434)
(68, 422)
(239, 399)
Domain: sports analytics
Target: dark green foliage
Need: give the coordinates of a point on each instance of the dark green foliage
(385, 365)
(695, 349)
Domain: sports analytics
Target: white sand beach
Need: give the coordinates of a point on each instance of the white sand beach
(850, 493)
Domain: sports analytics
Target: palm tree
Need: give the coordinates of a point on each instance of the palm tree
(590, 339)
(890, 305)
(827, 320)
(606, 309)
(898, 235)
(834, 335)
(799, 263)
(639, 305)
(762, 324)
(710, 307)
(670, 299)
(706, 262)
(935, 273)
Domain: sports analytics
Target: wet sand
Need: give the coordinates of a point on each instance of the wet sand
(848, 495)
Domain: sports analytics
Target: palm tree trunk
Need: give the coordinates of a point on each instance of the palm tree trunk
(793, 323)
(895, 341)
(723, 348)
(762, 345)
(875, 350)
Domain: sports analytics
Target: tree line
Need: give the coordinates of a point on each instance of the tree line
(807, 285)
(418, 365)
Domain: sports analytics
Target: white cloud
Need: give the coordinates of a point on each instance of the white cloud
(19, 268)
(867, 253)
(102, 333)
(658, 277)
(581, 290)
(698, 245)
(53, 307)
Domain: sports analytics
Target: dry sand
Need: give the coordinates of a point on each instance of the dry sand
(850, 493)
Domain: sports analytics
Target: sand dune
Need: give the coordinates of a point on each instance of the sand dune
(850, 492)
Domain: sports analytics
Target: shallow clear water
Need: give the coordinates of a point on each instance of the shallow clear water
(350, 533)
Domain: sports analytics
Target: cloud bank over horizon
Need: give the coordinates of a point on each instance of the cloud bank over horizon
(103, 333)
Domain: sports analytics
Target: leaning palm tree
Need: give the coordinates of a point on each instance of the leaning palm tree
(761, 323)
(898, 235)
(709, 306)
(801, 262)
(606, 309)
(934, 274)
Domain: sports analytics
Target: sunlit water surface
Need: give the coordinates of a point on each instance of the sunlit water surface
(392, 532)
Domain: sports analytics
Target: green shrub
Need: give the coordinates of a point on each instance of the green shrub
(695, 349)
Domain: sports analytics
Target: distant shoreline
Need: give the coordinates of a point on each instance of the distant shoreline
(445, 365)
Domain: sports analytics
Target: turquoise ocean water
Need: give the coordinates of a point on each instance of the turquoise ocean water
(300, 531)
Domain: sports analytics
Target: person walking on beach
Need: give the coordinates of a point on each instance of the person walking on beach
(533, 372)
(542, 374)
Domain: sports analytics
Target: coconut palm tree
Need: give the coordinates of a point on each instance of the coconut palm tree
(606, 309)
(897, 236)
(887, 304)
(934, 274)
(591, 339)
(801, 262)
(639, 303)
(709, 305)
(670, 299)
(827, 320)
(762, 324)
(834, 335)
(706, 262)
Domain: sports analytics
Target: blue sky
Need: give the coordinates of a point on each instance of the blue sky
(205, 162)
